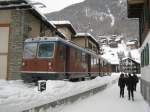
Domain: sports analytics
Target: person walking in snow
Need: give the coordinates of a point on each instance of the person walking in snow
(126, 77)
(130, 87)
(136, 80)
(121, 84)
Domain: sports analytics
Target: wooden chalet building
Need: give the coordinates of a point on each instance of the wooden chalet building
(19, 20)
(66, 28)
(130, 66)
(141, 9)
(87, 41)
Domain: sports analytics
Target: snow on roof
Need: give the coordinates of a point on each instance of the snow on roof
(39, 12)
(61, 22)
(64, 22)
(44, 17)
(86, 34)
(131, 43)
(130, 59)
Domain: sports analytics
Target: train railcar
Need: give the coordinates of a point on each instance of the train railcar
(54, 58)
(105, 67)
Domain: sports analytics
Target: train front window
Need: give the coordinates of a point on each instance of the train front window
(45, 50)
(30, 50)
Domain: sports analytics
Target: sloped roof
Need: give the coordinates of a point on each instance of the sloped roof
(87, 35)
(131, 59)
(25, 4)
(64, 23)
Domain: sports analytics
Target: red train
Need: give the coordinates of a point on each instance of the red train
(54, 58)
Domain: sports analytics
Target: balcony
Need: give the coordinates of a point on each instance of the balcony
(135, 8)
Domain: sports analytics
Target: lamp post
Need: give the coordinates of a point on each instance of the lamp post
(38, 3)
(22, 5)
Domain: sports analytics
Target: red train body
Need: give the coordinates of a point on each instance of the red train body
(54, 58)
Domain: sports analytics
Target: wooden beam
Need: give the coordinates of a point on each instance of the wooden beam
(135, 2)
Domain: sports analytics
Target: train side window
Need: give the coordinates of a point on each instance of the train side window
(91, 61)
(94, 61)
(78, 55)
(83, 57)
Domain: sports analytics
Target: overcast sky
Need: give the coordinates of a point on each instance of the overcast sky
(56, 5)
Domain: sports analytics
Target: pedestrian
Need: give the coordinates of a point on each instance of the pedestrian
(130, 87)
(136, 80)
(126, 77)
(121, 84)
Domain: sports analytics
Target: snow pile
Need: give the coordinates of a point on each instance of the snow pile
(15, 95)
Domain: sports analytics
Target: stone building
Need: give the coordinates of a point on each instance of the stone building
(19, 20)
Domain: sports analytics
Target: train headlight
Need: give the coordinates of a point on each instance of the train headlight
(49, 63)
(23, 64)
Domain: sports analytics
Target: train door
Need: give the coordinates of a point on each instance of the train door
(62, 60)
(4, 37)
(67, 64)
(89, 64)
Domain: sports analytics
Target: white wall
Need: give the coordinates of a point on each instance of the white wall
(145, 71)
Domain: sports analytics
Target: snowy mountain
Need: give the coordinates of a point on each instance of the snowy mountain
(99, 17)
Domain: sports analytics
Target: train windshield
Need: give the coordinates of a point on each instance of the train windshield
(46, 50)
(30, 50)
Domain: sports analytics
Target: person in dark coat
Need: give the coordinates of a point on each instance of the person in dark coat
(126, 77)
(121, 84)
(130, 87)
(136, 80)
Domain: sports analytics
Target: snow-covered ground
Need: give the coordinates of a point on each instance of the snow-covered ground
(106, 101)
(15, 95)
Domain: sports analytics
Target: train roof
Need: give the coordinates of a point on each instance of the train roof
(58, 39)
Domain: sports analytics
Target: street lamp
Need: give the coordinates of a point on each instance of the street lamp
(22, 5)
(38, 3)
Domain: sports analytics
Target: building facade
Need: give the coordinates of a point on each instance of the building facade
(141, 9)
(130, 66)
